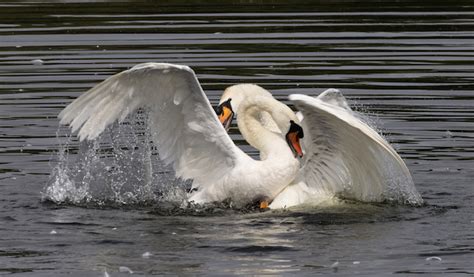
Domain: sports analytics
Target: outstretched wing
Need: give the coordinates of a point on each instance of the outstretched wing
(345, 156)
(185, 128)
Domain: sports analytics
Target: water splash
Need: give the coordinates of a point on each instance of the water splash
(399, 188)
(121, 167)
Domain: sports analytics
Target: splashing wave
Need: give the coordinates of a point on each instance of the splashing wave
(121, 167)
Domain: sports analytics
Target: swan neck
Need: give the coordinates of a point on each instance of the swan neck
(267, 142)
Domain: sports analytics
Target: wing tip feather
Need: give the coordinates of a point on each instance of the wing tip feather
(300, 97)
(160, 66)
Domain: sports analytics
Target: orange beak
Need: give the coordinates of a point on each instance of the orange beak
(264, 204)
(293, 139)
(294, 143)
(225, 113)
(226, 117)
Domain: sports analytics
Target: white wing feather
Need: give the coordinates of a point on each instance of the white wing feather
(185, 128)
(344, 156)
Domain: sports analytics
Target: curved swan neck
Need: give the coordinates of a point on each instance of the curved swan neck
(242, 92)
(255, 133)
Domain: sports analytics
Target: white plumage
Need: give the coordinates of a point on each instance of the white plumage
(187, 132)
(343, 155)
(187, 124)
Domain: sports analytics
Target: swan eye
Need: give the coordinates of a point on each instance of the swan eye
(225, 113)
(218, 110)
(295, 133)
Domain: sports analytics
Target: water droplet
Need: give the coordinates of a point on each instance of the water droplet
(146, 255)
(434, 258)
(37, 62)
(178, 97)
(125, 269)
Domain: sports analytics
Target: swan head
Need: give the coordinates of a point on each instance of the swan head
(293, 136)
(237, 94)
(225, 113)
(240, 92)
(277, 118)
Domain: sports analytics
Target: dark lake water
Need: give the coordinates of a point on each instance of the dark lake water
(409, 67)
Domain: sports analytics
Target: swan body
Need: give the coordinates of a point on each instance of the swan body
(343, 155)
(251, 179)
(188, 134)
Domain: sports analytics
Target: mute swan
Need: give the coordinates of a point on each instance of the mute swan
(343, 155)
(189, 135)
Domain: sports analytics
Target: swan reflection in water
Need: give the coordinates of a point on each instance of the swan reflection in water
(321, 152)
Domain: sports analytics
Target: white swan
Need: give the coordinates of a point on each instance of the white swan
(343, 155)
(189, 135)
